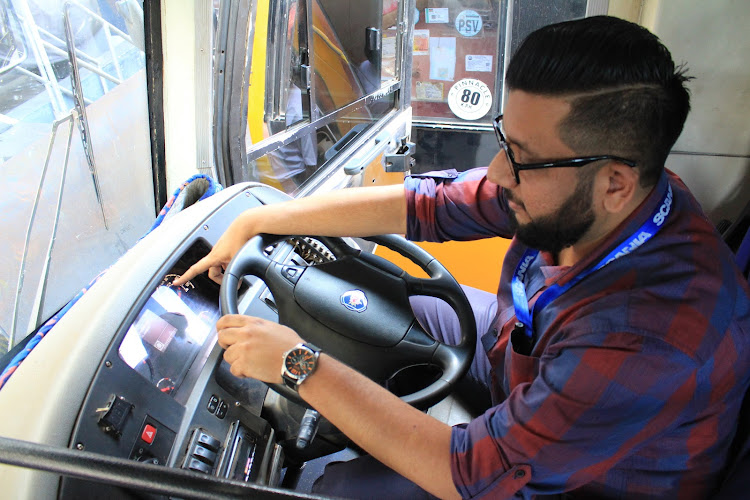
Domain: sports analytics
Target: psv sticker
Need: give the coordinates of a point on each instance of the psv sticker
(468, 23)
(470, 99)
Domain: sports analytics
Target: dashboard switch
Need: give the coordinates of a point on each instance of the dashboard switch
(202, 452)
(292, 273)
(204, 455)
(213, 403)
(114, 416)
(148, 434)
(222, 411)
(197, 465)
(207, 441)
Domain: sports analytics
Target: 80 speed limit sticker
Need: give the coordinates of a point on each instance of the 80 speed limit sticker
(470, 99)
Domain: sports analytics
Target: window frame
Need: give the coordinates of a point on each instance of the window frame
(231, 106)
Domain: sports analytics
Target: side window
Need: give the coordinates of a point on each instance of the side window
(287, 99)
(331, 71)
(348, 50)
(74, 148)
(38, 79)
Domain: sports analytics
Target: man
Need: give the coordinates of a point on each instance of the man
(618, 356)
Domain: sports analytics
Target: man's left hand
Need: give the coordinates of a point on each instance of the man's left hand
(255, 346)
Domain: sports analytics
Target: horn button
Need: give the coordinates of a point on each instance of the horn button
(329, 294)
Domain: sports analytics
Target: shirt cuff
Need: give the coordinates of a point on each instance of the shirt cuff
(477, 469)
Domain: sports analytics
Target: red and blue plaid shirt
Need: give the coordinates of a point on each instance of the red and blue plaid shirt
(635, 382)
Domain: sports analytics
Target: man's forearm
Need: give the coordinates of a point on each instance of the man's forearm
(346, 212)
(410, 442)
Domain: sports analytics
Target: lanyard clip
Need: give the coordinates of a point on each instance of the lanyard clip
(520, 340)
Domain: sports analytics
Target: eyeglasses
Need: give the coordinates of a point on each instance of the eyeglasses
(571, 162)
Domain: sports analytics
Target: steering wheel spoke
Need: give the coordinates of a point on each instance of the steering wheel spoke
(434, 287)
(418, 346)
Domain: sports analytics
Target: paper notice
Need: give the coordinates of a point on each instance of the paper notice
(442, 58)
(479, 63)
(430, 91)
(439, 15)
(421, 42)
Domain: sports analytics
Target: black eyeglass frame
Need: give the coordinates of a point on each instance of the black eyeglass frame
(569, 162)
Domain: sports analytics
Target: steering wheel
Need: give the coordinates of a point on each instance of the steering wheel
(356, 309)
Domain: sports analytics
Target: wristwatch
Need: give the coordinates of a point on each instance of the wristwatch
(299, 363)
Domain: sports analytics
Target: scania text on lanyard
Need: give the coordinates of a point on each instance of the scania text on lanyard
(521, 301)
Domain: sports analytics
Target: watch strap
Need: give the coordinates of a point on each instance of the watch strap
(312, 347)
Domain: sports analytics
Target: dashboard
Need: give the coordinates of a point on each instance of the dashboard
(133, 370)
(173, 327)
(160, 396)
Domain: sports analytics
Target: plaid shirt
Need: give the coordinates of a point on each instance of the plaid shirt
(634, 385)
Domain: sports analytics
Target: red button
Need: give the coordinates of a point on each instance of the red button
(148, 434)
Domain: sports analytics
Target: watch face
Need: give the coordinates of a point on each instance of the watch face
(300, 362)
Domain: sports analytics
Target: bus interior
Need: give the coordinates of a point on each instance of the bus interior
(133, 132)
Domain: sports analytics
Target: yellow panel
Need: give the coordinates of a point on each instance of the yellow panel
(375, 175)
(257, 79)
(257, 90)
(474, 263)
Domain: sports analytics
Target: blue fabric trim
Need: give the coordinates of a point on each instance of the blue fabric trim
(213, 187)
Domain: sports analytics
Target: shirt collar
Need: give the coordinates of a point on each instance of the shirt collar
(627, 227)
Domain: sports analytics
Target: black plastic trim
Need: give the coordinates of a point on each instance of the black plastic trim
(155, 89)
(130, 474)
(231, 73)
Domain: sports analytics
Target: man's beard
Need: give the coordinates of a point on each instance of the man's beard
(565, 227)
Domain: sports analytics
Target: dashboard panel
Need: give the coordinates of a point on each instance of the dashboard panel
(174, 327)
(133, 372)
(158, 398)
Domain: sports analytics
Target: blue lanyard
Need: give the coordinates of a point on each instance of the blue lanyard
(642, 235)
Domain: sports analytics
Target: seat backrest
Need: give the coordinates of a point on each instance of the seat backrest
(737, 237)
(743, 254)
(736, 483)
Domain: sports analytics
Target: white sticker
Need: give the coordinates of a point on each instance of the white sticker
(479, 63)
(469, 23)
(436, 15)
(470, 99)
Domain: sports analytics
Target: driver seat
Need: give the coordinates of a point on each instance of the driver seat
(737, 481)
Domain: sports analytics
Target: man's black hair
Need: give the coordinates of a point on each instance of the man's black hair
(627, 96)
